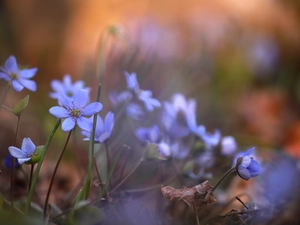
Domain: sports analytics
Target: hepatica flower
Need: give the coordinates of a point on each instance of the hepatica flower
(246, 166)
(143, 95)
(151, 134)
(17, 77)
(103, 128)
(26, 152)
(75, 110)
(66, 86)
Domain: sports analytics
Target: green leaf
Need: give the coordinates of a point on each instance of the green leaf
(151, 152)
(20, 106)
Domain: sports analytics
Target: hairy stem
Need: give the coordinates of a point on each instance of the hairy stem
(54, 173)
(37, 171)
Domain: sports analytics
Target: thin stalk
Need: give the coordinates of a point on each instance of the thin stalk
(5, 93)
(196, 213)
(222, 178)
(128, 175)
(37, 171)
(13, 165)
(30, 177)
(54, 173)
(107, 166)
(87, 184)
(97, 172)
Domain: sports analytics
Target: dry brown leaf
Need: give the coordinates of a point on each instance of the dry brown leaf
(199, 195)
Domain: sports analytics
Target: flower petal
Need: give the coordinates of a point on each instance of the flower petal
(29, 84)
(109, 121)
(59, 112)
(17, 86)
(23, 160)
(92, 109)
(243, 173)
(11, 64)
(250, 151)
(65, 100)
(84, 123)
(28, 73)
(68, 124)
(5, 76)
(28, 147)
(16, 152)
(103, 137)
(81, 97)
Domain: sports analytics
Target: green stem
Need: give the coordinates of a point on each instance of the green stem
(13, 165)
(107, 166)
(128, 175)
(36, 173)
(30, 178)
(86, 188)
(222, 178)
(54, 173)
(5, 93)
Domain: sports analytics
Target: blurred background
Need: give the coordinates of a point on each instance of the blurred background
(239, 59)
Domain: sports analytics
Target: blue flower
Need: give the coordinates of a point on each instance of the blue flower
(246, 166)
(132, 82)
(149, 102)
(228, 145)
(18, 78)
(143, 95)
(151, 134)
(103, 128)
(75, 110)
(65, 86)
(176, 149)
(176, 115)
(211, 139)
(7, 162)
(25, 153)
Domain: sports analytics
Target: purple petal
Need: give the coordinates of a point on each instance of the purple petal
(28, 146)
(5, 77)
(67, 81)
(56, 85)
(17, 86)
(243, 173)
(65, 100)
(29, 84)
(103, 137)
(28, 73)
(109, 121)
(83, 123)
(11, 64)
(250, 151)
(16, 152)
(92, 109)
(68, 124)
(81, 97)
(23, 160)
(59, 112)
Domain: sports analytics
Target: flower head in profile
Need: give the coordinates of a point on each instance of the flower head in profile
(17, 77)
(66, 86)
(75, 110)
(246, 166)
(8, 162)
(26, 152)
(103, 128)
(144, 96)
(151, 134)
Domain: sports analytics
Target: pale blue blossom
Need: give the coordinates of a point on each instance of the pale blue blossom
(66, 86)
(103, 129)
(24, 154)
(75, 110)
(19, 78)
